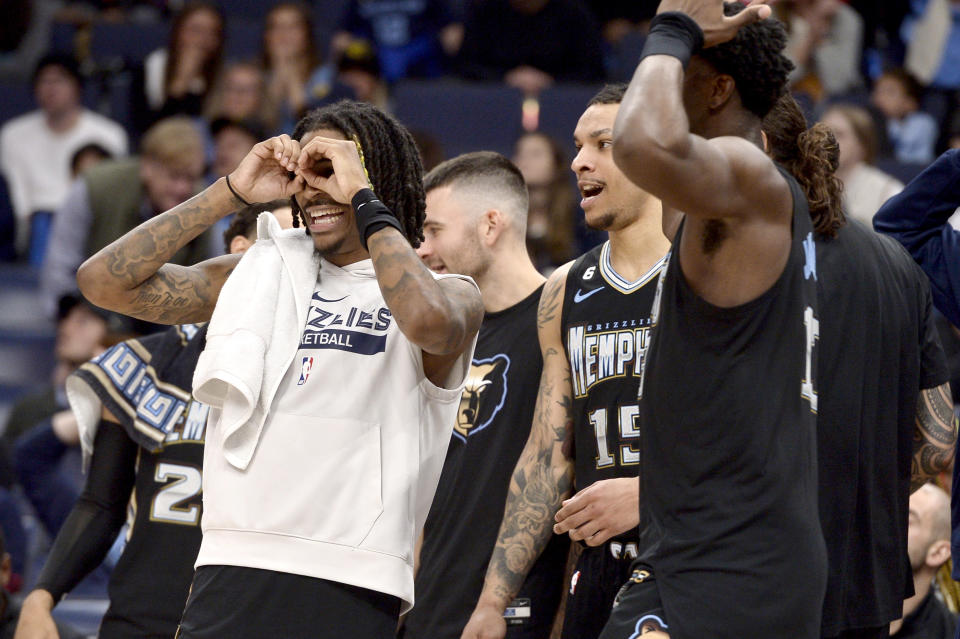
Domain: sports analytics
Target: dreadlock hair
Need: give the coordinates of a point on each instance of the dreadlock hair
(812, 157)
(245, 220)
(390, 156)
(754, 59)
(610, 94)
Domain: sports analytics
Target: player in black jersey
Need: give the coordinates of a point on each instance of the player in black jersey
(476, 225)
(142, 435)
(884, 422)
(593, 327)
(730, 536)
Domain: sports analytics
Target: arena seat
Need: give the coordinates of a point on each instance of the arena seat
(464, 116)
(244, 38)
(127, 41)
(17, 99)
(900, 170)
(560, 107)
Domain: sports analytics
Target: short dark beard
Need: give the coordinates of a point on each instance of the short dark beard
(330, 250)
(603, 222)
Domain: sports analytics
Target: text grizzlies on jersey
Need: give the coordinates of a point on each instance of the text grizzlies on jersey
(599, 352)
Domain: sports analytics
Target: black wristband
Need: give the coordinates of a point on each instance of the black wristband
(372, 214)
(674, 34)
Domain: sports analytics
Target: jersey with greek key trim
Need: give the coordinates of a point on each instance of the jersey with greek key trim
(146, 384)
(605, 327)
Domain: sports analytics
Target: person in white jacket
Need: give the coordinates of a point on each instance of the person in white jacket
(334, 365)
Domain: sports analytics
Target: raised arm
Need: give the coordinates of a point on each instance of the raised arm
(439, 316)
(721, 177)
(132, 275)
(917, 218)
(542, 478)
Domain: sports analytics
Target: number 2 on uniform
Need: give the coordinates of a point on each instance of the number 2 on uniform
(629, 429)
(168, 504)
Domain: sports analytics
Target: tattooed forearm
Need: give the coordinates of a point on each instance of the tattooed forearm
(542, 479)
(934, 438)
(132, 276)
(439, 317)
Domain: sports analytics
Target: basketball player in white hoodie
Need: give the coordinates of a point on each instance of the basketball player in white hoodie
(313, 501)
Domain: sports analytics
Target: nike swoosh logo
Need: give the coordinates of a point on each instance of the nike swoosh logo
(579, 296)
(320, 299)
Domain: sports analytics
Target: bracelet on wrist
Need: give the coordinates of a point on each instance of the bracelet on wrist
(235, 194)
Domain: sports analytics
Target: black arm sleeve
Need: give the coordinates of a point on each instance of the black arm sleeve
(98, 515)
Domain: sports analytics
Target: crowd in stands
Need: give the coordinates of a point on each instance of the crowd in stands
(119, 131)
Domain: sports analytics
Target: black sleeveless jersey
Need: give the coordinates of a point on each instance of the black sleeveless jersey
(605, 326)
(146, 384)
(493, 425)
(729, 518)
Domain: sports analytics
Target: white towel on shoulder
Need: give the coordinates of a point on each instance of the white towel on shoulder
(253, 334)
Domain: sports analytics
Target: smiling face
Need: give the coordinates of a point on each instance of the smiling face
(331, 223)
(286, 34)
(610, 200)
(451, 235)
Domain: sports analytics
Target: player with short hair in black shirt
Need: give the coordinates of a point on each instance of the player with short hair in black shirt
(593, 329)
(142, 435)
(884, 420)
(730, 537)
(476, 225)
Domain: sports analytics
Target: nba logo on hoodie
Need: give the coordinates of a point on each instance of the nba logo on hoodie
(305, 367)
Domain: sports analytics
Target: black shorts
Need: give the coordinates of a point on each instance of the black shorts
(637, 610)
(242, 603)
(595, 582)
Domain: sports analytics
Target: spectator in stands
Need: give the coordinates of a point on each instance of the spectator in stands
(530, 44)
(865, 187)
(551, 223)
(116, 196)
(359, 69)
(928, 545)
(410, 38)
(825, 43)
(86, 157)
(24, 35)
(36, 148)
(10, 608)
(177, 79)
(232, 140)
(82, 331)
(932, 35)
(295, 75)
(239, 94)
(912, 132)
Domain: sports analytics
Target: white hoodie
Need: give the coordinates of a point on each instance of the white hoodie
(337, 482)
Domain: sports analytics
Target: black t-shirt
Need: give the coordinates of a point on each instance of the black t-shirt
(605, 326)
(728, 491)
(146, 384)
(878, 349)
(932, 620)
(493, 424)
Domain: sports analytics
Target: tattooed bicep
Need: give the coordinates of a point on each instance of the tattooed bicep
(181, 294)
